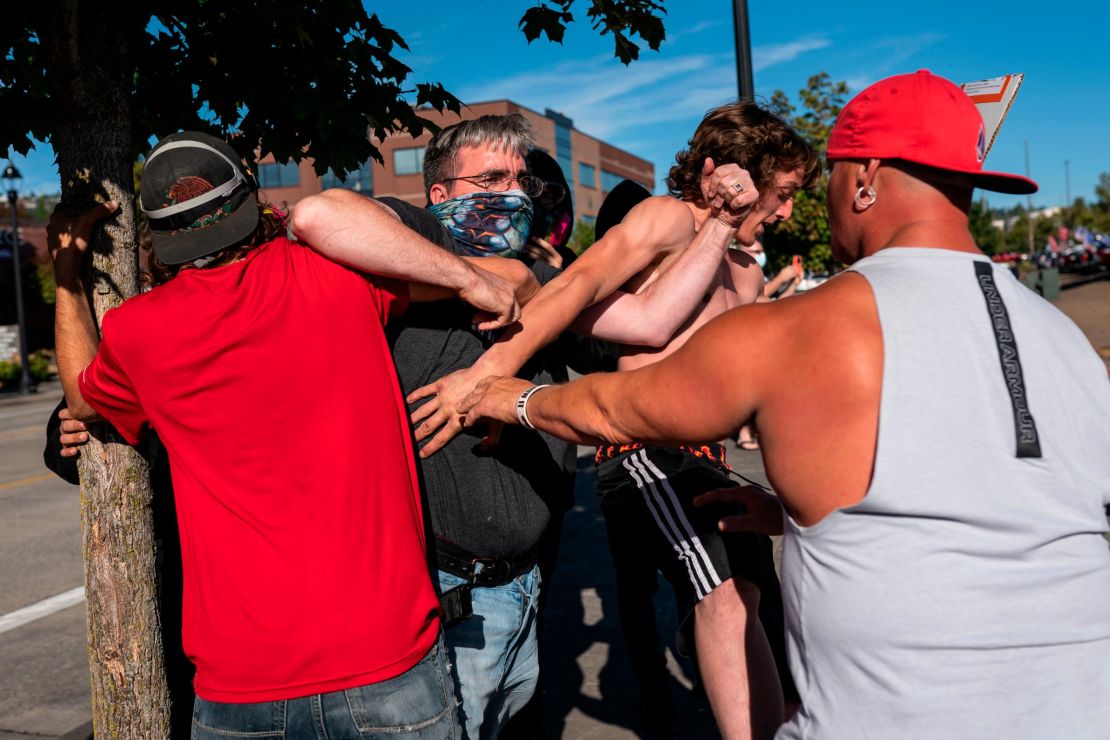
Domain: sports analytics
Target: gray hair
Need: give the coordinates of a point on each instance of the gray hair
(511, 132)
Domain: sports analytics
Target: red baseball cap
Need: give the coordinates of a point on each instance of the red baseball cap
(920, 118)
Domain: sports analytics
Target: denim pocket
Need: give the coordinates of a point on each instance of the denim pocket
(417, 700)
(219, 720)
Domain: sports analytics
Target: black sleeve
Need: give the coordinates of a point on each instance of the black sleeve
(64, 467)
(420, 221)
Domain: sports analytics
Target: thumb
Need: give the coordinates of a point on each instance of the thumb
(708, 167)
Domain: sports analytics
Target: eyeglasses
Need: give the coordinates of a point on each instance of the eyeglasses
(554, 191)
(499, 182)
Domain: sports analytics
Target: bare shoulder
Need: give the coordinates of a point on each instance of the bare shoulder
(660, 220)
(746, 272)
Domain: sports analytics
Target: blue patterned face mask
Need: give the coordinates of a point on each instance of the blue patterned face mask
(487, 224)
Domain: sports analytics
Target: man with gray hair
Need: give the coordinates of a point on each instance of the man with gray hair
(490, 506)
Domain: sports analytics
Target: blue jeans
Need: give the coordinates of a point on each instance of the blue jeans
(493, 654)
(417, 705)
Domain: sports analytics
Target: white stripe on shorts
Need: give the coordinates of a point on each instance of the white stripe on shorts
(684, 554)
(681, 529)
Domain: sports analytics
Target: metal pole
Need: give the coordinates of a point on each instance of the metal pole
(25, 384)
(1029, 200)
(743, 50)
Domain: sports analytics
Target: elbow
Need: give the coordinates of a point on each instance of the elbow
(658, 336)
(306, 217)
(317, 214)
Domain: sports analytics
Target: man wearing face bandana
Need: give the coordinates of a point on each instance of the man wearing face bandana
(726, 588)
(489, 506)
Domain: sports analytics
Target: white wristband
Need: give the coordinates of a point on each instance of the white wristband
(522, 406)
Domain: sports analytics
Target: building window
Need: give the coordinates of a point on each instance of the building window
(408, 161)
(587, 175)
(360, 180)
(275, 175)
(563, 146)
(610, 180)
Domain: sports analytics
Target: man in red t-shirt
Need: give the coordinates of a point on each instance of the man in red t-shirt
(306, 580)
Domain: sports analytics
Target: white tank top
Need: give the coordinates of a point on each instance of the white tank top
(968, 594)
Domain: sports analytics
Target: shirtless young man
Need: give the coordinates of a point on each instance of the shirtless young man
(936, 433)
(718, 581)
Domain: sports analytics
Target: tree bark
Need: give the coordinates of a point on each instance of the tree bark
(87, 70)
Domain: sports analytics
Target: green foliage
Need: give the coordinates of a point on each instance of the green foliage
(44, 282)
(38, 365)
(583, 237)
(286, 77)
(807, 232)
(618, 17)
(989, 238)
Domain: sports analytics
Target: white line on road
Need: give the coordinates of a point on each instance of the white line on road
(44, 608)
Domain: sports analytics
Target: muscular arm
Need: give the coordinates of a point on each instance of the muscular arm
(690, 395)
(364, 234)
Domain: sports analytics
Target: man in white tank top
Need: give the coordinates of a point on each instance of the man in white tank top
(938, 436)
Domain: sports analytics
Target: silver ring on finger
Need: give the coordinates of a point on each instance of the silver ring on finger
(738, 187)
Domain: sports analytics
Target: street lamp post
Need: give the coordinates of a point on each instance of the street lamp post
(12, 179)
(743, 50)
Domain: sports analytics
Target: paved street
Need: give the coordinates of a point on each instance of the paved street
(44, 682)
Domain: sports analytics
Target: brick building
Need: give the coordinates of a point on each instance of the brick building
(592, 167)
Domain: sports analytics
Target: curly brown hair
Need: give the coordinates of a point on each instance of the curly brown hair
(747, 134)
(271, 225)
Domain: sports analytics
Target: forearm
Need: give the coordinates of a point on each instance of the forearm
(367, 236)
(653, 316)
(605, 408)
(549, 312)
(75, 337)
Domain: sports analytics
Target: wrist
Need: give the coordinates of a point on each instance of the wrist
(522, 405)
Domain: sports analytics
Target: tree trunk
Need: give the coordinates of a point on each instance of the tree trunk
(89, 77)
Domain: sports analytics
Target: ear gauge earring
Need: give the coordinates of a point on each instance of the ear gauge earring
(871, 195)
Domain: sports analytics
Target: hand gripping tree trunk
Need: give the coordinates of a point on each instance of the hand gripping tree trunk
(88, 75)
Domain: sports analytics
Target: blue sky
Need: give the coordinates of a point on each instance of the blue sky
(651, 107)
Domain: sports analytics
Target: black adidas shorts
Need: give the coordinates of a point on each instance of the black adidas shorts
(651, 489)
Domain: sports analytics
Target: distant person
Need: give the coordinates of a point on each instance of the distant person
(289, 616)
(754, 163)
(552, 212)
(937, 435)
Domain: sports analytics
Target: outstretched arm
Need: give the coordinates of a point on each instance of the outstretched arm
(692, 394)
(75, 334)
(368, 236)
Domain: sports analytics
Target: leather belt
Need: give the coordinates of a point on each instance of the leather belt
(492, 571)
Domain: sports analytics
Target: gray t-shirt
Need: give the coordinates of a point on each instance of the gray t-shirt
(495, 503)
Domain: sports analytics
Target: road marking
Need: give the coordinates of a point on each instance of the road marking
(26, 481)
(44, 608)
(23, 432)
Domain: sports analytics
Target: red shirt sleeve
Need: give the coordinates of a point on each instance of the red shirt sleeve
(105, 386)
(393, 296)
